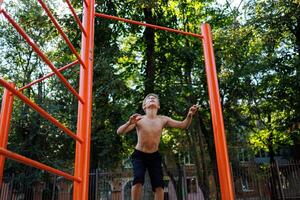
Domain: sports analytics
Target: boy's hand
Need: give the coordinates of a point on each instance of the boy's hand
(134, 118)
(193, 110)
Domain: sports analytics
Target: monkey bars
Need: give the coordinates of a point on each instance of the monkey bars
(76, 17)
(48, 75)
(57, 26)
(41, 54)
(84, 96)
(82, 137)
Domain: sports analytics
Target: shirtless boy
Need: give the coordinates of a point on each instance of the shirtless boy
(145, 156)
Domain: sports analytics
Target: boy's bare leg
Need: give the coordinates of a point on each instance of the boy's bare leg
(136, 191)
(159, 193)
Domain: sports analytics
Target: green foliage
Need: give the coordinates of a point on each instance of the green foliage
(259, 79)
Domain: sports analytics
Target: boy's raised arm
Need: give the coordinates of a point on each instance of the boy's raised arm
(186, 122)
(130, 124)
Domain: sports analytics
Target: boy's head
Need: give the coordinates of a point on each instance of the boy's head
(151, 98)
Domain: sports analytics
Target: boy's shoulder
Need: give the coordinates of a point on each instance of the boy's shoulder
(163, 117)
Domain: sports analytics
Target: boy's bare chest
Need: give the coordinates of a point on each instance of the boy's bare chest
(153, 125)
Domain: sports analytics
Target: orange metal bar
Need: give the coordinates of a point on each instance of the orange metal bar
(82, 157)
(147, 25)
(40, 53)
(33, 163)
(5, 118)
(86, 3)
(225, 177)
(76, 17)
(48, 75)
(39, 110)
(61, 31)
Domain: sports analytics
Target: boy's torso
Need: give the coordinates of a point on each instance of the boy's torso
(149, 132)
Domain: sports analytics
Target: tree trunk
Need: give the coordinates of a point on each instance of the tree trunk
(150, 43)
(211, 151)
(205, 182)
(274, 176)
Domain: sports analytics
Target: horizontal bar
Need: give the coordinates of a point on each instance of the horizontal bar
(147, 25)
(48, 75)
(33, 163)
(76, 17)
(43, 56)
(54, 21)
(39, 110)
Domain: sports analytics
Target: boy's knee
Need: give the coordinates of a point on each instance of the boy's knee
(137, 186)
(138, 178)
(159, 189)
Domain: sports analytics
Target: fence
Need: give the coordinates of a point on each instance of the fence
(267, 182)
(251, 182)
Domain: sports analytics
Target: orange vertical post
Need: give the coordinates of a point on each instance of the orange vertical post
(225, 178)
(82, 156)
(5, 118)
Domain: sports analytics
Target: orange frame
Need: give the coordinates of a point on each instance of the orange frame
(83, 135)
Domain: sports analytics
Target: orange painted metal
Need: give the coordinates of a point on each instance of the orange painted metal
(82, 156)
(57, 26)
(5, 118)
(225, 177)
(39, 110)
(33, 163)
(48, 75)
(85, 3)
(76, 17)
(147, 25)
(41, 54)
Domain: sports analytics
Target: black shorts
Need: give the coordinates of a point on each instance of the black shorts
(141, 162)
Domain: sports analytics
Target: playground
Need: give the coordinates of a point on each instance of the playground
(84, 181)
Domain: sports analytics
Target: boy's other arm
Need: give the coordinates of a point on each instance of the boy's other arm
(129, 125)
(186, 122)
